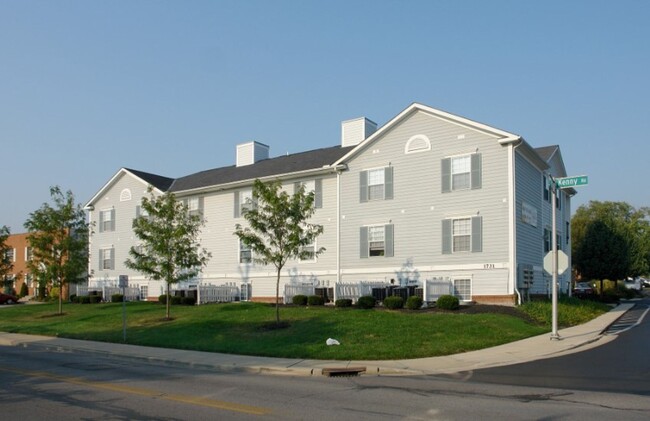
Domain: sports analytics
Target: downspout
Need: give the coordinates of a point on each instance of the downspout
(338, 231)
(513, 220)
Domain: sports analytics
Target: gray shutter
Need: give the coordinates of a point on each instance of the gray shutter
(112, 264)
(101, 259)
(477, 236)
(236, 213)
(389, 238)
(101, 221)
(445, 168)
(318, 194)
(363, 243)
(388, 183)
(363, 186)
(137, 211)
(446, 236)
(201, 206)
(296, 186)
(476, 171)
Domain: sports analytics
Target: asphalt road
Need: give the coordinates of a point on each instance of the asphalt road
(36, 384)
(621, 366)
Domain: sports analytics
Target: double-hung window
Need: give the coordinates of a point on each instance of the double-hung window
(107, 220)
(462, 235)
(245, 253)
(195, 206)
(107, 258)
(315, 186)
(461, 172)
(308, 253)
(376, 184)
(10, 255)
(29, 255)
(243, 202)
(463, 289)
(376, 241)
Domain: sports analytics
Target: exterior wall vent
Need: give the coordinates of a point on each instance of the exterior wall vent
(251, 152)
(356, 131)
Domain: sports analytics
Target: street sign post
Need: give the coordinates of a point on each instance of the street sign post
(123, 282)
(559, 183)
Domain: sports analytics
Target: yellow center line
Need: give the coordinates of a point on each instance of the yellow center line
(194, 400)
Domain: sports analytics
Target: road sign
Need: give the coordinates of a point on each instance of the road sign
(562, 262)
(123, 281)
(568, 182)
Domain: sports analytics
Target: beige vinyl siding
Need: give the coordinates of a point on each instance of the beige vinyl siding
(122, 238)
(418, 205)
(528, 189)
(218, 238)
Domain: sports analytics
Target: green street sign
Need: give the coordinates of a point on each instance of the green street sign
(568, 182)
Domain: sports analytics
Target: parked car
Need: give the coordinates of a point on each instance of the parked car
(633, 283)
(8, 298)
(644, 282)
(583, 289)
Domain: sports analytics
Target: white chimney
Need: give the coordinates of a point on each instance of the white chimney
(356, 131)
(251, 152)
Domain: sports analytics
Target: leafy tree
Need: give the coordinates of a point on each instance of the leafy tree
(58, 237)
(170, 249)
(278, 229)
(6, 264)
(603, 254)
(623, 220)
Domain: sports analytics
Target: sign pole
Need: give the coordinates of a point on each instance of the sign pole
(554, 334)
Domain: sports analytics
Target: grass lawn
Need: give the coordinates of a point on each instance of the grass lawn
(242, 328)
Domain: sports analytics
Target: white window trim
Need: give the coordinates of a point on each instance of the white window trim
(471, 286)
(383, 183)
(417, 137)
(468, 172)
(315, 258)
(239, 250)
(383, 226)
(453, 248)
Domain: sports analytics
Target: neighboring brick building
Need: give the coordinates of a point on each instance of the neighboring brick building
(20, 253)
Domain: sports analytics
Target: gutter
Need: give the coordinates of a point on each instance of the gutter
(513, 213)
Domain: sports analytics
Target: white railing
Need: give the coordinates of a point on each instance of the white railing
(130, 293)
(354, 290)
(217, 294)
(436, 287)
(291, 290)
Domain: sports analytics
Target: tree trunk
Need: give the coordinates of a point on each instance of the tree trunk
(60, 299)
(277, 298)
(167, 301)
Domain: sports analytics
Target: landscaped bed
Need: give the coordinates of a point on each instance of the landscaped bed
(246, 328)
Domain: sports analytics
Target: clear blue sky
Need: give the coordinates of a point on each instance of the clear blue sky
(170, 87)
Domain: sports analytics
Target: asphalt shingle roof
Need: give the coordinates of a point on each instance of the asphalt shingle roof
(302, 161)
(158, 181)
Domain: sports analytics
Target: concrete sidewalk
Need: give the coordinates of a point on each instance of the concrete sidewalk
(571, 340)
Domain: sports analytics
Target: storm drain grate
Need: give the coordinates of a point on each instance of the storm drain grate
(343, 371)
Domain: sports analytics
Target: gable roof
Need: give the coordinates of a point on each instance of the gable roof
(317, 159)
(159, 182)
(502, 136)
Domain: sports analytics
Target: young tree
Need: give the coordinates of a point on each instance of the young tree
(58, 237)
(278, 229)
(170, 249)
(6, 263)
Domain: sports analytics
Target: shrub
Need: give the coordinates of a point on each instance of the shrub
(414, 303)
(394, 302)
(176, 300)
(315, 300)
(299, 300)
(94, 299)
(73, 298)
(343, 302)
(54, 293)
(448, 302)
(366, 302)
(189, 301)
(162, 299)
(85, 299)
(117, 298)
(23, 290)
